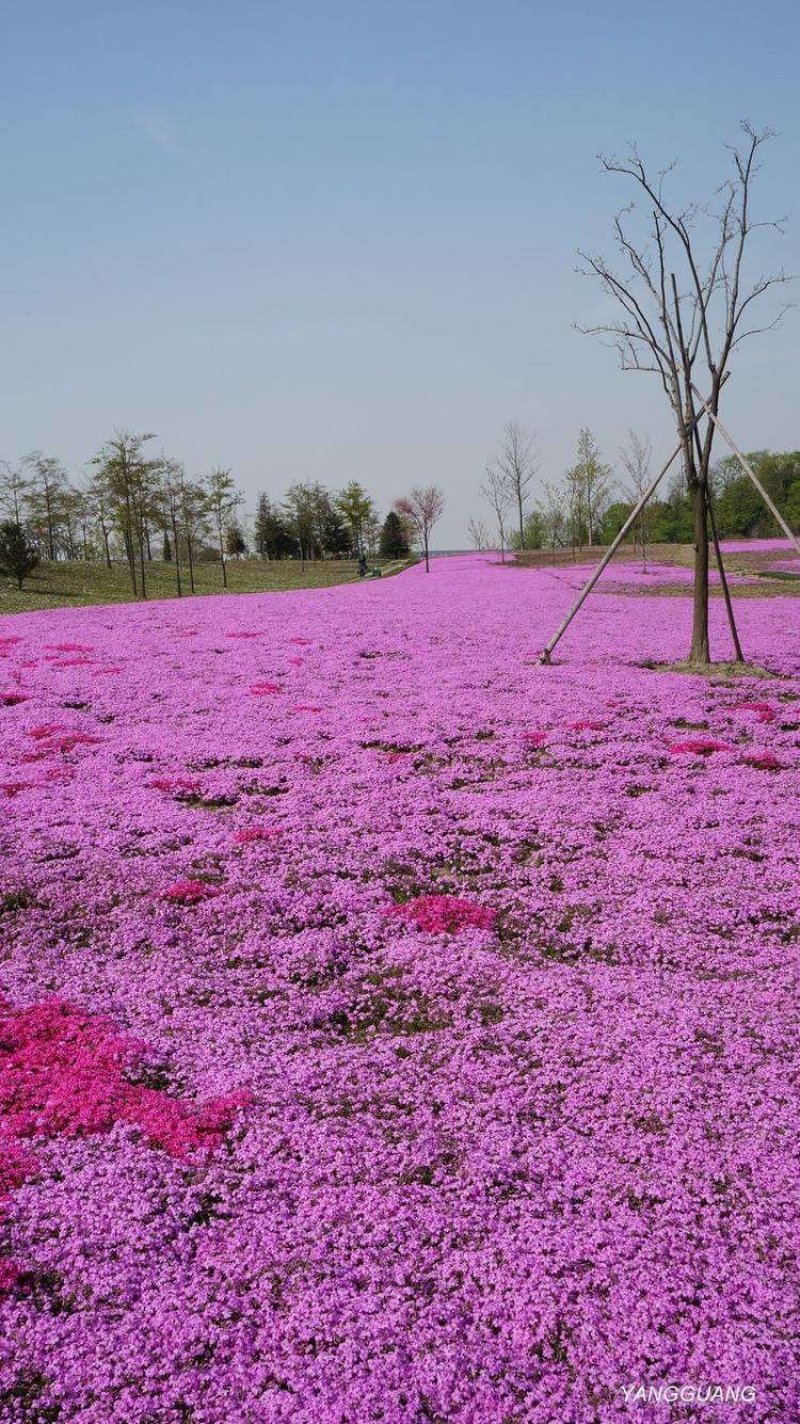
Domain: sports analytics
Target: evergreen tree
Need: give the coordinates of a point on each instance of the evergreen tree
(272, 536)
(235, 543)
(18, 558)
(395, 542)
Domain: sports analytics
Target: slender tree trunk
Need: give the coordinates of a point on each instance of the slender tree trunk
(131, 556)
(521, 523)
(51, 543)
(174, 523)
(700, 650)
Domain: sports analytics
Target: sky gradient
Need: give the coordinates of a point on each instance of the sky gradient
(335, 241)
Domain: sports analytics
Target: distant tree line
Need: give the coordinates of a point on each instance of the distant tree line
(137, 506)
(591, 502)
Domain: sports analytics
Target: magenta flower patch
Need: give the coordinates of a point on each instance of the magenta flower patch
(63, 1074)
(764, 710)
(444, 914)
(189, 892)
(763, 761)
(180, 787)
(265, 689)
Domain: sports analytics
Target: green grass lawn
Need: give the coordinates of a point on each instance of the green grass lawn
(66, 584)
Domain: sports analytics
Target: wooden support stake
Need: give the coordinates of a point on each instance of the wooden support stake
(771, 506)
(608, 555)
(723, 578)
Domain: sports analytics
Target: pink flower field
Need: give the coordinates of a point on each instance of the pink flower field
(391, 1028)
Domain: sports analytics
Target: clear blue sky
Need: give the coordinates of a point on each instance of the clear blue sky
(336, 240)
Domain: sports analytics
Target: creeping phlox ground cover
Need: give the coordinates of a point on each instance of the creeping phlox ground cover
(392, 1028)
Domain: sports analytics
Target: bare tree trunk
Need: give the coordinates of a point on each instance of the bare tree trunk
(131, 555)
(174, 523)
(141, 562)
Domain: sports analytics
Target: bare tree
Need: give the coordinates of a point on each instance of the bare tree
(193, 516)
(496, 493)
(171, 500)
(554, 520)
(685, 310)
(424, 507)
(576, 520)
(636, 458)
(15, 491)
(100, 505)
(478, 535)
(517, 463)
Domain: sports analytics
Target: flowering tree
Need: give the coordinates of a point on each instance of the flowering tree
(424, 507)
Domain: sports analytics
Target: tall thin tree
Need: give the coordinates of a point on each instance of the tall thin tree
(517, 462)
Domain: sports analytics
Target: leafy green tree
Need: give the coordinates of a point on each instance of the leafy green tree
(47, 500)
(589, 480)
(18, 557)
(222, 499)
(613, 520)
(301, 505)
(534, 532)
(792, 507)
(130, 483)
(356, 508)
